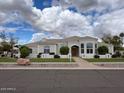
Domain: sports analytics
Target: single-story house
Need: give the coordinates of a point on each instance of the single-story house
(85, 47)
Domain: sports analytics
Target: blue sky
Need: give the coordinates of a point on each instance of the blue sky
(32, 20)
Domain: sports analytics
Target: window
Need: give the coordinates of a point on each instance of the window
(89, 48)
(82, 48)
(30, 50)
(46, 49)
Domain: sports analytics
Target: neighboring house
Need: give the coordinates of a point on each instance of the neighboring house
(122, 52)
(110, 47)
(85, 47)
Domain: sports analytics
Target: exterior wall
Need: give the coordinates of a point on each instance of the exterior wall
(41, 48)
(85, 54)
(78, 43)
(111, 49)
(106, 56)
(56, 49)
(34, 52)
(47, 56)
(122, 52)
(64, 56)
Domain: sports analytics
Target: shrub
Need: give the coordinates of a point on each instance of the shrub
(114, 56)
(56, 56)
(122, 56)
(52, 53)
(117, 54)
(2, 55)
(102, 50)
(64, 50)
(96, 56)
(25, 51)
(39, 55)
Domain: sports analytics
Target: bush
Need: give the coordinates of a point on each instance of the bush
(117, 54)
(114, 56)
(2, 55)
(64, 50)
(122, 56)
(52, 53)
(56, 56)
(96, 56)
(25, 51)
(39, 55)
(102, 50)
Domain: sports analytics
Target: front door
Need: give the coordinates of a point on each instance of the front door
(75, 51)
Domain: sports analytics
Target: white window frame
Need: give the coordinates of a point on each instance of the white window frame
(46, 49)
(82, 48)
(90, 49)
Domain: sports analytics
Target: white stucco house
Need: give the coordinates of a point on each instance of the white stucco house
(85, 47)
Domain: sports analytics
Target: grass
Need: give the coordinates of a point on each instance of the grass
(13, 60)
(106, 60)
(7, 60)
(50, 60)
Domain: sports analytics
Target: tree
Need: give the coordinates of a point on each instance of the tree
(1, 49)
(5, 48)
(107, 39)
(102, 50)
(114, 40)
(12, 40)
(25, 51)
(64, 50)
(122, 37)
(8, 42)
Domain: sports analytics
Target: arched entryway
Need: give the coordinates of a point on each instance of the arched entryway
(75, 50)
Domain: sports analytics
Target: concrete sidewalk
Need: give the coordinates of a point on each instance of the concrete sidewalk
(78, 64)
(84, 64)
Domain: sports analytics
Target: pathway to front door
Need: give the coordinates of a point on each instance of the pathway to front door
(83, 63)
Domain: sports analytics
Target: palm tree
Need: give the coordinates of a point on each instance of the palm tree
(13, 40)
(114, 40)
(122, 37)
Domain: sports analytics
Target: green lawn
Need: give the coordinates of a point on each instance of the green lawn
(7, 60)
(50, 60)
(106, 60)
(13, 60)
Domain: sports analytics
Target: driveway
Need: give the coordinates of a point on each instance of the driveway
(61, 81)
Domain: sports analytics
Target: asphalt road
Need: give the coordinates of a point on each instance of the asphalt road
(61, 81)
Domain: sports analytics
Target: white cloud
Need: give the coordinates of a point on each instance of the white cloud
(84, 5)
(111, 23)
(59, 22)
(63, 22)
(7, 29)
(40, 36)
(54, 19)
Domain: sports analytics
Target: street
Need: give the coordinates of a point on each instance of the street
(61, 81)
